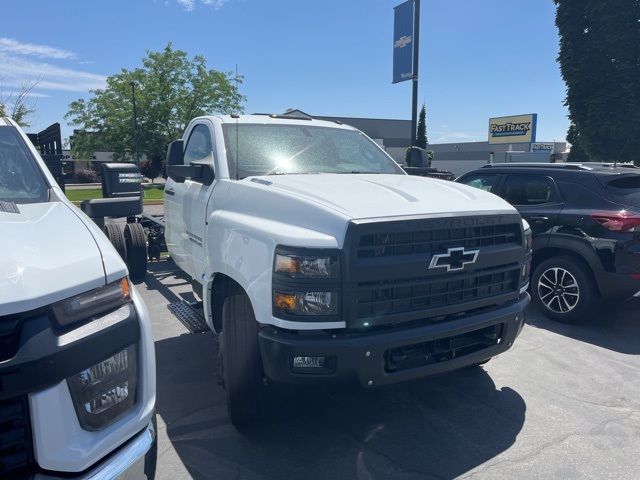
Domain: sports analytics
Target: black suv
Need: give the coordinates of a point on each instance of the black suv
(585, 220)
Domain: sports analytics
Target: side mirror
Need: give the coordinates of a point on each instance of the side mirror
(175, 161)
(175, 153)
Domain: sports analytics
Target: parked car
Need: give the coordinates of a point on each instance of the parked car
(585, 220)
(319, 260)
(77, 362)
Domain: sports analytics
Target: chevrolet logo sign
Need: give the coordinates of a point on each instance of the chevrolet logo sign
(455, 259)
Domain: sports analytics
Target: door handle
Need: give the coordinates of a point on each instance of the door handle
(169, 192)
(538, 219)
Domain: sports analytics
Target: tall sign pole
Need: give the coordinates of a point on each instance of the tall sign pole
(406, 35)
(416, 53)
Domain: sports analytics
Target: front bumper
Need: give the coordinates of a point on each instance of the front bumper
(135, 460)
(363, 358)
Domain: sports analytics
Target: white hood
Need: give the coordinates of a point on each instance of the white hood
(369, 196)
(46, 254)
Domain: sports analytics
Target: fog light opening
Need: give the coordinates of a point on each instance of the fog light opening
(309, 362)
(312, 364)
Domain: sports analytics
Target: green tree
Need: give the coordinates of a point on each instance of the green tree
(599, 60)
(18, 104)
(577, 153)
(170, 90)
(422, 128)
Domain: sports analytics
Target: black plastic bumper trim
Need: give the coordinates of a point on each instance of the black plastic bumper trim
(359, 357)
(46, 357)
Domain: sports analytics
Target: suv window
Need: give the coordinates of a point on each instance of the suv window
(484, 181)
(21, 180)
(525, 190)
(199, 144)
(626, 190)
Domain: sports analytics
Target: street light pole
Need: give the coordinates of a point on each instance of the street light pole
(135, 121)
(416, 56)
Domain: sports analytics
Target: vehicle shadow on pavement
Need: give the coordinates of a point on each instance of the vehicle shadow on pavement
(158, 276)
(614, 326)
(436, 428)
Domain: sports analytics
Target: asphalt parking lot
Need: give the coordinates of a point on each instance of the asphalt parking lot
(563, 403)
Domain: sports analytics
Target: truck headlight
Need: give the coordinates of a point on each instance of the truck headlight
(307, 303)
(92, 303)
(306, 266)
(528, 239)
(104, 392)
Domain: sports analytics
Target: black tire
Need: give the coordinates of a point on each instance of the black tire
(116, 237)
(136, 242)
(240, 361)
(564, 289)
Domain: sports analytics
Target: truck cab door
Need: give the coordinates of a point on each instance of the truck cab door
(186, 203)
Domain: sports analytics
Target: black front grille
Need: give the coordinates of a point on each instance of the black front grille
(16, 450)
(416, 242)
(389, 276)
(389, 297)
(9, 336)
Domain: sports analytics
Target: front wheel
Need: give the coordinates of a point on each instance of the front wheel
(563, 288)
(241, 362)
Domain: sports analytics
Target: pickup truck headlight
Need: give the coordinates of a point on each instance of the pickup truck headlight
(92, 303)
(104, 392)
(306, 282)
(306, 266)
(307, 303)
(528, 239)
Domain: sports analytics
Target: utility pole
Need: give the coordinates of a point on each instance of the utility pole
(416, 55)
(135, 121)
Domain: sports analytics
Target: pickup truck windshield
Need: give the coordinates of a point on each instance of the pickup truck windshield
(254, 150)
(21, 181)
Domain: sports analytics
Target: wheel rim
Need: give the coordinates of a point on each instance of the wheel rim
(558, 290)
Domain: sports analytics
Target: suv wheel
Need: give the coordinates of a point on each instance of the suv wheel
(563, 288)
(240, 361)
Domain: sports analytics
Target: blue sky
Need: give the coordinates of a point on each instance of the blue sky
(478, 59)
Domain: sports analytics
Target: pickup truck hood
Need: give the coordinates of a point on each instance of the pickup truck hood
(368, 196)
(48, 254)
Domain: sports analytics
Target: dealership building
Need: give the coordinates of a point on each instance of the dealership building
(460, 157)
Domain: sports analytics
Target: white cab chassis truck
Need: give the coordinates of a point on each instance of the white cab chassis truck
(77, 361)
(319, 260)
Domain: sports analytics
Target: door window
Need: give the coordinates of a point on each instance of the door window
(199, 145)
(484, 181)
(525, 190)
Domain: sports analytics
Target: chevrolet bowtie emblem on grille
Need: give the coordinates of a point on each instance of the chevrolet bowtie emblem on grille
(455, 259)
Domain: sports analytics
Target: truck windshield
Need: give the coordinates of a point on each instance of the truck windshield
(254, 150)
(21, 181)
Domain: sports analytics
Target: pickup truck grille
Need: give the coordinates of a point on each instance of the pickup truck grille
(417, 242)
(389, 297)
(387, 278)
(16, 450)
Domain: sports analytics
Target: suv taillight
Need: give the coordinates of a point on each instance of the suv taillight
(622, 221)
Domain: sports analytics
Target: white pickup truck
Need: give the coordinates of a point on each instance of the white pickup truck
(77, 361)
(318, 259)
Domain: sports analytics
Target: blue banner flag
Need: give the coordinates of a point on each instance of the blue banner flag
(403, 42)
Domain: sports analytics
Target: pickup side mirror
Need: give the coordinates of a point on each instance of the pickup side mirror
(198, 170)
(175, 153)
(176, 168)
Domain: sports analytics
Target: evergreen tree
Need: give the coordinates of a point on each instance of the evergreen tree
(577, 153)
(600, 63)
(422, 128)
